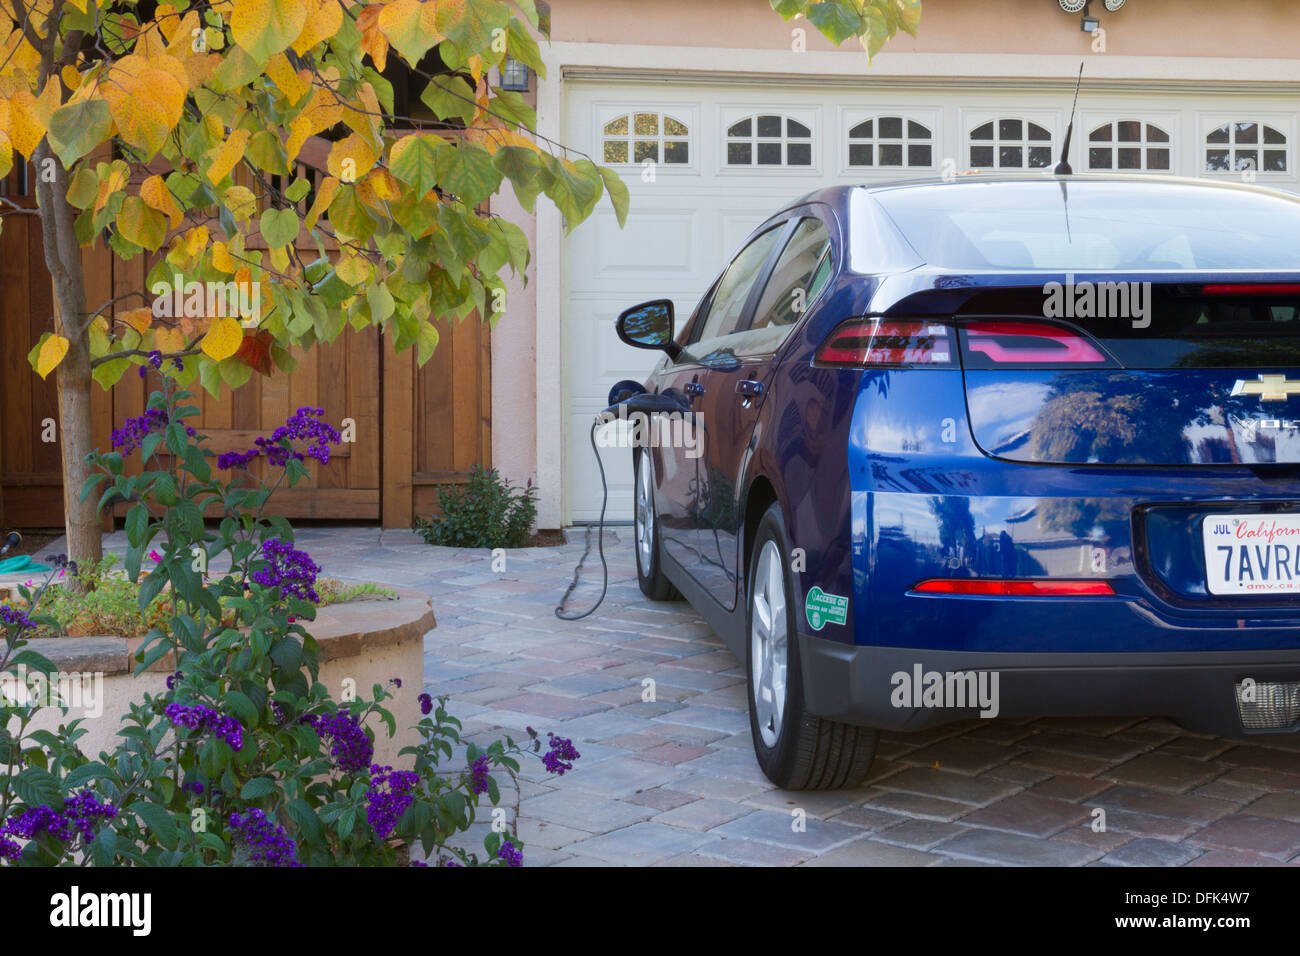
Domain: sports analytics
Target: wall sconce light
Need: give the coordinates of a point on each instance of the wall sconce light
(514, 76)
(1089, 24)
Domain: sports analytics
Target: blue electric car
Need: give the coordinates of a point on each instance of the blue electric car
(997, 446)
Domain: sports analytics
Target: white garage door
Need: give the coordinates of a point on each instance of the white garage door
(706, 163)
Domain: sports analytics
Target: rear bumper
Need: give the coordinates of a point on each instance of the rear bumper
(878, 686)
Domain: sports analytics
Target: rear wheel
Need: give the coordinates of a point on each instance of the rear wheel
(649, 568)
(795, 749)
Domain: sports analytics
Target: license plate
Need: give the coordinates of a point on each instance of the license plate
(1252, 554)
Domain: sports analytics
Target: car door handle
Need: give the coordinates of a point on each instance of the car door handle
(694, 388)
(749, 387)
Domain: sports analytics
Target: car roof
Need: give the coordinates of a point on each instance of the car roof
(838, 196)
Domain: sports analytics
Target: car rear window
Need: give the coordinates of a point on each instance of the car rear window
(1090, 225)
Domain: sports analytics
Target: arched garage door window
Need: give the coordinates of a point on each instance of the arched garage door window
(1234, 147)
(889, 141)
(1129, 144)
(769, 139)
(1010, 143)
(637, 137)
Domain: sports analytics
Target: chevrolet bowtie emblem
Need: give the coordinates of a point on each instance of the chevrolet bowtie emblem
(1269, 388)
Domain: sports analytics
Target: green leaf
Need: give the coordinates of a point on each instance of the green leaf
(257, 787)
(77, 128)
(241, 707)
(468, 172)
(36, 787)
(521, 166)
(279, 227)
(426, 343)
(835, 20)
(137, 525)
(160, 822)
(618, 194)
(301, 813)
(413, 162)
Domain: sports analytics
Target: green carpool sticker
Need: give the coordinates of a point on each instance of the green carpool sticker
(823, 608)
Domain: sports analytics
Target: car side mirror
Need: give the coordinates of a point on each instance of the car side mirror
(649, 326)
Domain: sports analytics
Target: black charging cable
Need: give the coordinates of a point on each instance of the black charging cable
(632, 402)
(604, 567)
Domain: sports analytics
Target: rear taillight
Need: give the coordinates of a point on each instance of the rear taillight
(874, 342)
(1001, 587)
(995, 343)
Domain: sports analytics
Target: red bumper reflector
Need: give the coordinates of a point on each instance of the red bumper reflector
(1004, 588)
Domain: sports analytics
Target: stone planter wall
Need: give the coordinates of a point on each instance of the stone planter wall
(367, 641)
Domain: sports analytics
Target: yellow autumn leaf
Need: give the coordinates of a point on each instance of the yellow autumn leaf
(322, 111)
(324, 196)
(353, 269)
(350, 158)
(286, 79)
(70, 76)
(196, 240)
(227, 155)
(223, 338)
(157, 196)
(221, 258)
(146, 98)
(264, 27)
(323, 21)
(169, 340)
(26, 130)
(114, 182)
(51, 354)
(139, 319)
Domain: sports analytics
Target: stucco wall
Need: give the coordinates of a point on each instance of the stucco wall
(1255, 28)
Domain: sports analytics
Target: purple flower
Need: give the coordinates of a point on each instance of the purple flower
(426, 703)
(390, 793)
(478, 775)
(265, 840)
(418, 863)
(178, 362)
(172, 679)
(397, 681)
(80, 815)
(9, 850)
(561, 755)
(84, 811)
(12, 617)
(235, 459)
(290, 570)
(194, 787)
(511, 854)
(156, 359)
(198, 717)
(37, 820)
(350, 746)
(133, 431)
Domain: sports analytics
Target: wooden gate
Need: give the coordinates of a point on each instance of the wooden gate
(414, 428)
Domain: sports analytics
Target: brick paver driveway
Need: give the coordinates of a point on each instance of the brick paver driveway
(673, 781)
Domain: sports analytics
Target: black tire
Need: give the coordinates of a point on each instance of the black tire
(649, 566)
(807, 752)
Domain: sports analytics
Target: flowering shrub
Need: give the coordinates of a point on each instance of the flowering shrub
(245, 758)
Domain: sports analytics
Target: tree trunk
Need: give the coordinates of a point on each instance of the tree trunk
(81, 519)
(63, 259)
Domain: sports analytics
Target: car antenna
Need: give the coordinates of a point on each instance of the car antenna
(1063, 167)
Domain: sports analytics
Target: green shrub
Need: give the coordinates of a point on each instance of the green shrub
(488, 512)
